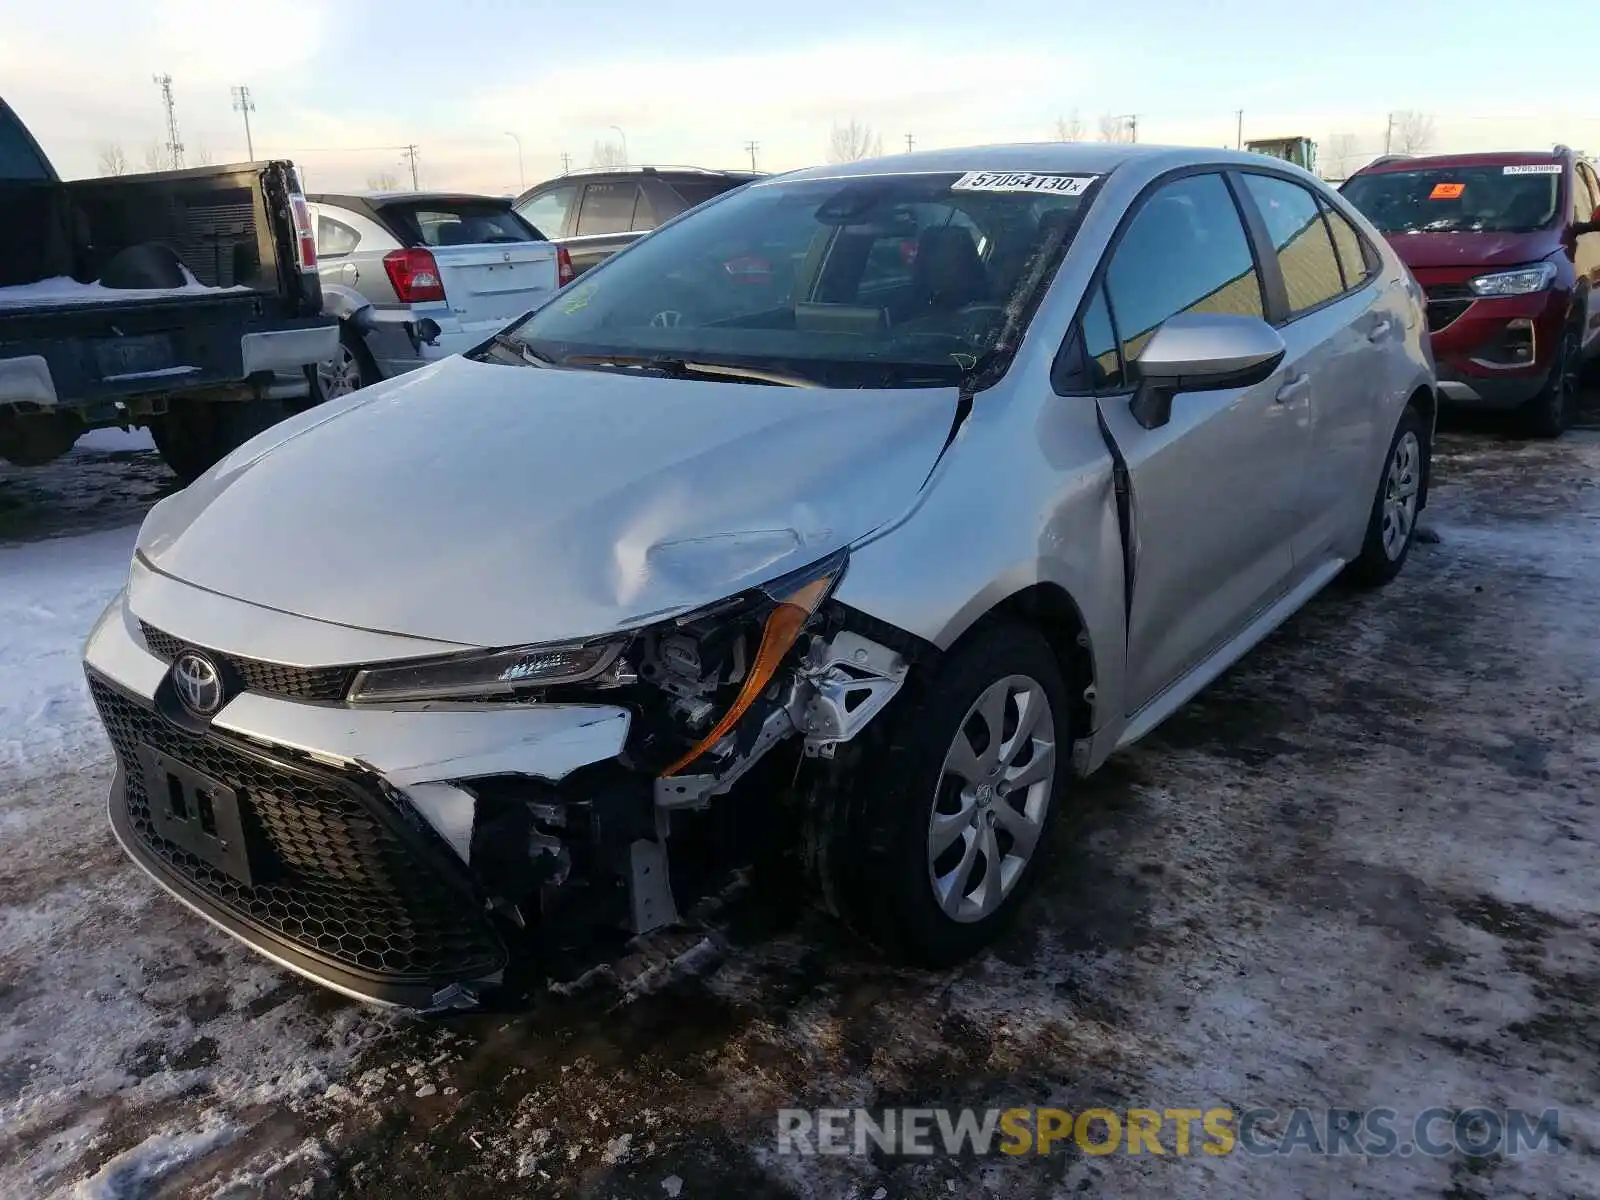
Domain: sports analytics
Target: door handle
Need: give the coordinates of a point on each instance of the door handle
(1296, 388)
(1380, 330)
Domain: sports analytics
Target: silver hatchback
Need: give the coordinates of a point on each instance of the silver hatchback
(928, 482)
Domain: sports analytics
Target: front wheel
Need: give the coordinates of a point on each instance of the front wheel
(1550, 412)
(1392, 524)
(942, 835)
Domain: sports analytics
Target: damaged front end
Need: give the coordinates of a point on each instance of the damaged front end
(711, 694)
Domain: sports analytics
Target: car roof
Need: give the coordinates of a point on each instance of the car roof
(1491, 158)
(1089, 158)
(360, 200)
(670, 174)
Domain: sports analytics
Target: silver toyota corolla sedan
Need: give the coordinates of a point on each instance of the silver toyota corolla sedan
(928, 481)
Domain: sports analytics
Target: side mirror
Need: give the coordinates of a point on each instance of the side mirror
(1592, 225)
(1201, 352)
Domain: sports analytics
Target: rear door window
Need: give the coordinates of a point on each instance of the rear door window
(547, 212)
(457, 223)
(1297, 232)
(1185, 251)
(608, 208)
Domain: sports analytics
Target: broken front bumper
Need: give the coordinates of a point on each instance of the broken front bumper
(333, 840)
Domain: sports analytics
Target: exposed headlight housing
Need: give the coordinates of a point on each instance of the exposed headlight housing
(1524, 281)
(497, 673)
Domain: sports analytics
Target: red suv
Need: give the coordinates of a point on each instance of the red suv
(1507, 248)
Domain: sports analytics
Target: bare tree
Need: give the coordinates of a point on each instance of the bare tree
(1069, 128)
(113, 159)
(202, 156)
(853, 141)
(608, 154)
(382, 181)
(1412, 132)
(1340, 155)
(1114, 129)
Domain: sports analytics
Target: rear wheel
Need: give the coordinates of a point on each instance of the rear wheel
(1392, 525)
(1549, 413)
(348, 370)
(196, 434)
(941, 837)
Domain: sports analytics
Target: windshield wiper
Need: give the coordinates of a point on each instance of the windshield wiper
(521, 349)
(679, 368)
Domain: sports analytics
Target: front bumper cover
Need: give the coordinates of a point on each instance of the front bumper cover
(353, 816)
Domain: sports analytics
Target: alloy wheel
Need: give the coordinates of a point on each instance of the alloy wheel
(1400, 495)
(339, 375)
(994, 792)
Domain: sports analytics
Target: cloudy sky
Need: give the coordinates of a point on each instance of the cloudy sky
(341, 86)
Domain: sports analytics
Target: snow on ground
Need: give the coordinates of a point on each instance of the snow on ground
(50, 594)
(1358, 870)
(63, 289)
(116, 441)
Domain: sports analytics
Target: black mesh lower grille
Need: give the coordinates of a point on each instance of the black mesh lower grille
(326, 685)
(342, 879)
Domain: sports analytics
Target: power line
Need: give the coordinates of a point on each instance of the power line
(409, 153)
(243, 104)
(751, 147)
(174, 143)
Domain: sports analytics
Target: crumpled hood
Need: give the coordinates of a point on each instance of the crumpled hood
(1487, 250)
(493, 505)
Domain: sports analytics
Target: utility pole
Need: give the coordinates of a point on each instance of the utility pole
(243, 104)
(1240, 114)
(1388, 134)
(1131, 120)
(174, 145)
(409, 153)
(911, 143)
(751, 147)
(566, 163)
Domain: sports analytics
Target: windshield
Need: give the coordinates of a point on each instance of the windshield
(1477, 199)
(872, 281)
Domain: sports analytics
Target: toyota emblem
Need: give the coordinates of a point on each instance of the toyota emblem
(199, 683)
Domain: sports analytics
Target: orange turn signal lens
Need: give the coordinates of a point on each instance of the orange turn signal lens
(784, 623)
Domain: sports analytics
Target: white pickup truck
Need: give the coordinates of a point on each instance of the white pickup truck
(417, 276)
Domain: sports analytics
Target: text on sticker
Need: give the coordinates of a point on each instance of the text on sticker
(1447, 191)
(1535, 169)
(1023, 181)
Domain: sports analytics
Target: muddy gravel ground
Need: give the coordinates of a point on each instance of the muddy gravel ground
(1360, 870)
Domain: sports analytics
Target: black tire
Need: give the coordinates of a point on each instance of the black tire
(195, 435)
(1549, 413)
(876, 843)
(1380, 561)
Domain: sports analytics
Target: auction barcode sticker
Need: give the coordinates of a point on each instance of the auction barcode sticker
(1535, 169)
(1023, 181)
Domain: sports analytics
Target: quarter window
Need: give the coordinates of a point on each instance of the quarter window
(547, 212)
(1185, 251)
(607, 208)
(1354, 256)
(335, 238)
(1100, 345)
(1305, 251)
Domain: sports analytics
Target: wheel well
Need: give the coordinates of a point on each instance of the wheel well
(1050, 609)
(1427, 406)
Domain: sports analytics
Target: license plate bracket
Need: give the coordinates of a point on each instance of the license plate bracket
(196, 813)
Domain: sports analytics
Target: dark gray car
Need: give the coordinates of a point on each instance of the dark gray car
(595, 213)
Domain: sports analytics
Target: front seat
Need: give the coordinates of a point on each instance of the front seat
(948, 272)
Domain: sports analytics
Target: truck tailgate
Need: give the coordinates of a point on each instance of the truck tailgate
(495, 281)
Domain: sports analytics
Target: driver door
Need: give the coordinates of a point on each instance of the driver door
(1215, 493)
